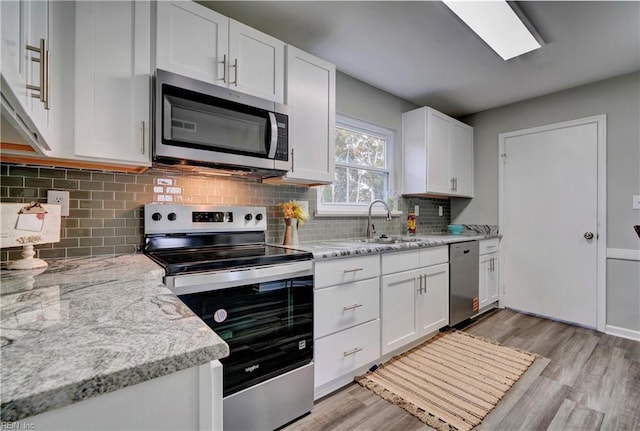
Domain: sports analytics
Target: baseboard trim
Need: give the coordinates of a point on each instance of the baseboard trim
(623, 254)
(630, 334)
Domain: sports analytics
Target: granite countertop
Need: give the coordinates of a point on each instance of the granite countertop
(87, 326)
(354, 247)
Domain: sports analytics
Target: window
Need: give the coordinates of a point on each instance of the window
(363, 154)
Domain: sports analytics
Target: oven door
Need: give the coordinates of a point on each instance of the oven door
(267, 323)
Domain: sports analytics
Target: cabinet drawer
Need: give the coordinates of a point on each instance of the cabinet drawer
(345, 306)
(400, 261)
(343, 352)
(489, 245)
(434, 256)
(346, 270)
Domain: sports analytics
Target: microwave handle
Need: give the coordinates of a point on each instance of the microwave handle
(167, 119)
(274, 136)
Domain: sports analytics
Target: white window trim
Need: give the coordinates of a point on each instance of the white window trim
(342, 210)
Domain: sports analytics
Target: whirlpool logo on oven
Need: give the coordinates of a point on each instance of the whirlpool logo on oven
(252, 368)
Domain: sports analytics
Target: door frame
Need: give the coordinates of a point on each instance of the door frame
(601, 251)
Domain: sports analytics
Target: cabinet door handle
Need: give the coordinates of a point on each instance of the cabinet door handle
(142, 127)
(353, 270)
(224, 68)
(235, 66)
(43, 89)
(351, 307)
(292, 160)
(452, 187)
(352, 351)
(455, 184)
(425, 282)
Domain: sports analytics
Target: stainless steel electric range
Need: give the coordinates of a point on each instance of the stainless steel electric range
(257, 297)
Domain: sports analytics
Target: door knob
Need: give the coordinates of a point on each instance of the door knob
(588, 235)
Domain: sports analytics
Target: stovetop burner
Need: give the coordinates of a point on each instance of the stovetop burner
(185, 239)
(182, 261)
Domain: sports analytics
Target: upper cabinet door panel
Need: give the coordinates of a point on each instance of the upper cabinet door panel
(113, 65)
(311, 88)
(192, 40)
(461, 162)
(14, 42)
(438, 134)
(256, 62)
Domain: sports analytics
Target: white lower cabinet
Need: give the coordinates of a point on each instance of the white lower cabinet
(415, 302)
(343, 306)
(190, 399)
(489, 277)
(346, 320)
(345, 351)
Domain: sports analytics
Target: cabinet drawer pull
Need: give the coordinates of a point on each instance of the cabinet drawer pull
(353, 270)
(352, 351)
(351, 307)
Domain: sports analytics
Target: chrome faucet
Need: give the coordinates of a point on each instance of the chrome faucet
(370, 228)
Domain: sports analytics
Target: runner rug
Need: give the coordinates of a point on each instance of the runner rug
(452, 381)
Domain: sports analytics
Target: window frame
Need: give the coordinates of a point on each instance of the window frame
(358, 125)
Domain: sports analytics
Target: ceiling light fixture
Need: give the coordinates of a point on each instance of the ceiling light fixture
(497, 24)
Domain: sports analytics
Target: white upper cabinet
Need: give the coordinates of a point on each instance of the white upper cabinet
(112, 74)
(29, 31)
(311, 95)
(438, 154)
(197, 42)
(461, 158)
(192, 40)
(256, 62)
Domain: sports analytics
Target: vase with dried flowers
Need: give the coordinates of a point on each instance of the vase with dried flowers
(294, 216)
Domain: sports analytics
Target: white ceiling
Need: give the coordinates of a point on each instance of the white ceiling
(421, 52)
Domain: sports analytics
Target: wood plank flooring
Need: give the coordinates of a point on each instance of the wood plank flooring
(584, 381)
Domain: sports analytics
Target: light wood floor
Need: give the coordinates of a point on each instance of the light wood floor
(586, 380)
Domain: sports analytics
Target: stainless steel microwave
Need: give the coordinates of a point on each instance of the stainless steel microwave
(201, 124)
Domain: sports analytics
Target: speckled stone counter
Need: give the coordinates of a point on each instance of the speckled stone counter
(343, 248)
(88, 326)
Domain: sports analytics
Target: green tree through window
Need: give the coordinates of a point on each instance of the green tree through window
(362, 164)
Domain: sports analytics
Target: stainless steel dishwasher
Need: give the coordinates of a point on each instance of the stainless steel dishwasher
(463, 280)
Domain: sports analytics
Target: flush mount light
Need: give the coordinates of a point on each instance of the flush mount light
(496, 23)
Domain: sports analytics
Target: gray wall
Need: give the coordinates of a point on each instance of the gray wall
(360, 100)
(619, 99)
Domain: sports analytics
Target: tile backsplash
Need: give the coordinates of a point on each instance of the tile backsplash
(106, 208)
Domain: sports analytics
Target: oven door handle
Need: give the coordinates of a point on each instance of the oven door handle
(202, 282)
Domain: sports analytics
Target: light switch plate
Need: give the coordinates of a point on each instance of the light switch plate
(636, 202)
(416, 210)
(440, 211)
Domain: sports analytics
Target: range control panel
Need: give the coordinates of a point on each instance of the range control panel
(172, 218)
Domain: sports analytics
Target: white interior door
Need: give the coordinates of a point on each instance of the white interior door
(549, 208)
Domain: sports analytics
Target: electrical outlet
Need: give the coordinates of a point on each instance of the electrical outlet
(416, 210)
(59, 197)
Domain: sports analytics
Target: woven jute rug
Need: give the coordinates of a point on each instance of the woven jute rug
(452, 381)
